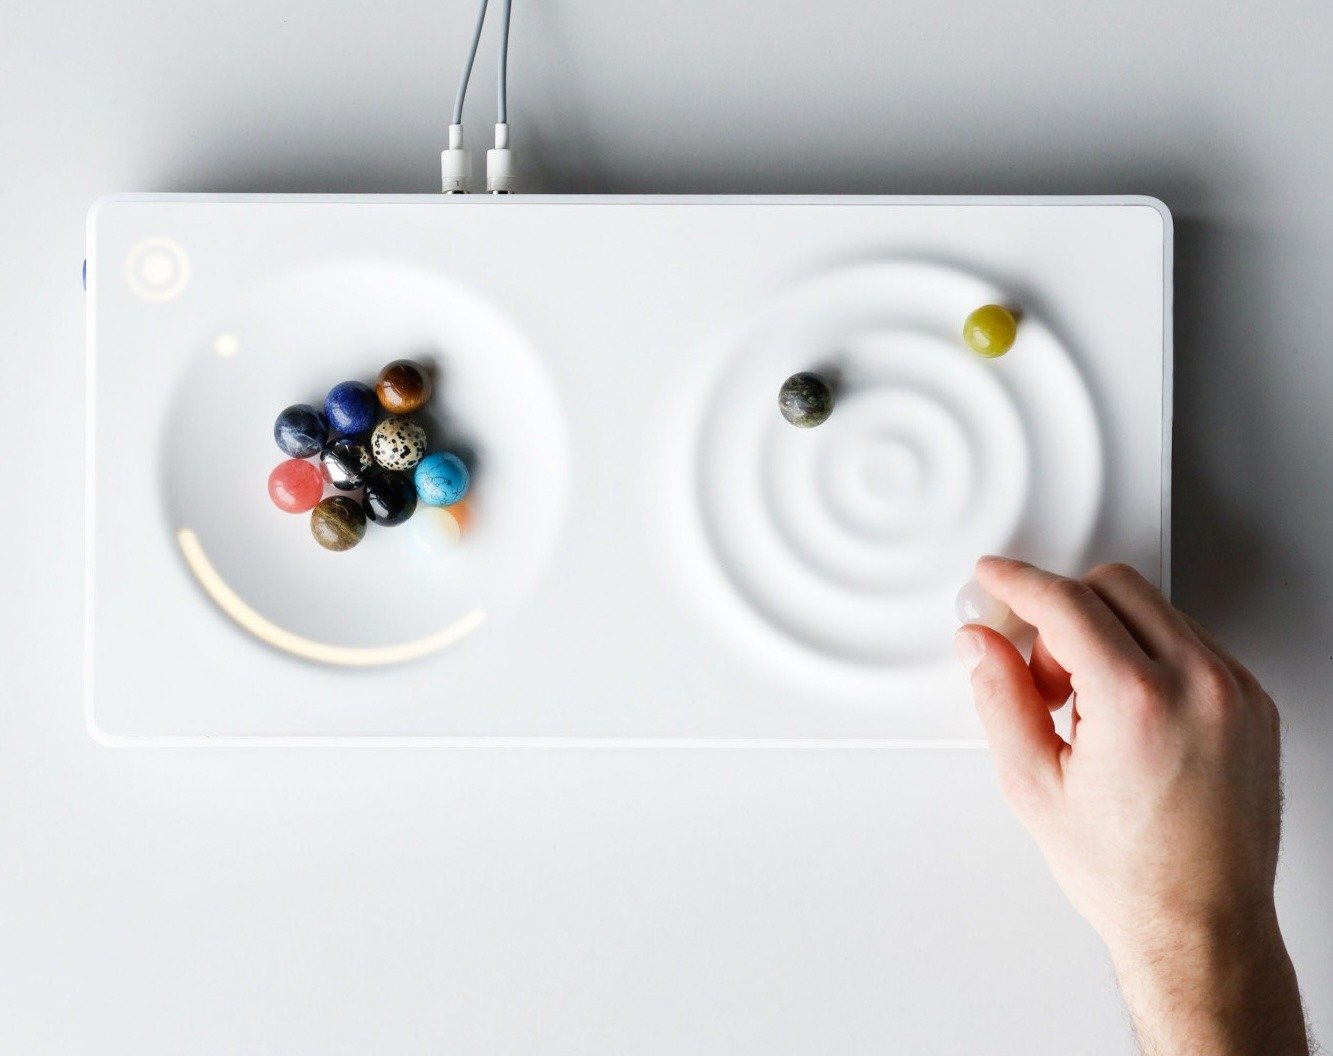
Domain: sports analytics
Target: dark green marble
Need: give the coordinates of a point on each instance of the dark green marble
(806, 400)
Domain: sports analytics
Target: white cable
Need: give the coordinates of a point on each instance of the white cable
(500, 161)
(471, 58)
(455, 161)
(502, 78)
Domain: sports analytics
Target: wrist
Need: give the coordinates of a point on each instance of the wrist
(1197, 938)
(1205, 942)
(1218, 984)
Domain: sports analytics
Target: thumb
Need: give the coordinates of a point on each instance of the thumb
(1017, 721)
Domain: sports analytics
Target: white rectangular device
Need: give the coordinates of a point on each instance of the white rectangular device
(648, 551)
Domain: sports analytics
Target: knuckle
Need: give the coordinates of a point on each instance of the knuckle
(1147, 683)
(1144, 691)
(989, 695)
(1212, 684)
(1180, 640)
(1064, 591)
(1113, 572)
(1250, 686)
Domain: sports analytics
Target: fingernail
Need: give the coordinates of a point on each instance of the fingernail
(970, 648)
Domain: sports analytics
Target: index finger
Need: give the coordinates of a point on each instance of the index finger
(1078, 629)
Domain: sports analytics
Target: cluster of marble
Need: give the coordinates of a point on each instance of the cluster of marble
(386, 460)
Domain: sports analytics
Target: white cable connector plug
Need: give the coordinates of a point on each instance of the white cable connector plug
(500, 163)
(455, 164)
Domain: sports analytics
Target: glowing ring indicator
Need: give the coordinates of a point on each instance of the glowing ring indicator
(267, 631)
(157, 269)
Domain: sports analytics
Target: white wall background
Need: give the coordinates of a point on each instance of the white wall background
(832, 901)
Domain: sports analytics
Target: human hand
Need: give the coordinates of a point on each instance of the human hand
(1159, 817)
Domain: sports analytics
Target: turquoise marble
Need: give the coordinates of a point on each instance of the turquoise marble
(441, 479)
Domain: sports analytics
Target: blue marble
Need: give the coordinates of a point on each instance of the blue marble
(441, 479)
(351, 408)
(300, 430)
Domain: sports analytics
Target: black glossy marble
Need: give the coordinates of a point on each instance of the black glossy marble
(390, 498)
(345, 462)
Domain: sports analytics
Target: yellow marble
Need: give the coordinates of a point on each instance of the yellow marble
(990, 330)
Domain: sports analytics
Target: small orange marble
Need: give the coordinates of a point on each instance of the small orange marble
(462, 512)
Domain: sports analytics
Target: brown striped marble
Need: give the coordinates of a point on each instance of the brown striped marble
(338, 523)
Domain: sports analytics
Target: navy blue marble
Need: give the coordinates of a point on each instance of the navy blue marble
(351, 408)
(300, 431)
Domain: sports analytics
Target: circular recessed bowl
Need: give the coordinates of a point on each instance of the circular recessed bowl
(850, 540)
(390, 599)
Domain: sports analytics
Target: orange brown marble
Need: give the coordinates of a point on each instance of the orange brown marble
(403, 387)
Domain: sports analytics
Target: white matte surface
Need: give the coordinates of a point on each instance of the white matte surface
(639, 505)
(721, 901)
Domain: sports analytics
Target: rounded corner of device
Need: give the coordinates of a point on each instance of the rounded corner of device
(1163, 211)
(98, 204)
(103, 737)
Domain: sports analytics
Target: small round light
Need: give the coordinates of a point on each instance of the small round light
(157, 269)
(227, 345)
